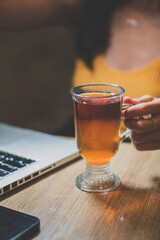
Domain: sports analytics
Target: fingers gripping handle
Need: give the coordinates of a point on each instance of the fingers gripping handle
(128, 132)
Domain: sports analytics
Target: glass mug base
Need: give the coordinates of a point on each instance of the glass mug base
(97, 179)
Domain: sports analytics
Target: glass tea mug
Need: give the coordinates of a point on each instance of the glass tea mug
(97, 117)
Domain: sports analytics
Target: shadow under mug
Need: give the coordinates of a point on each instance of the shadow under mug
(97, 118)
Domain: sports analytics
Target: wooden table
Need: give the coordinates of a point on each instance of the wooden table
(65, 212)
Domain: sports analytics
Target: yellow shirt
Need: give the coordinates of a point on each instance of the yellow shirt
(145, 80)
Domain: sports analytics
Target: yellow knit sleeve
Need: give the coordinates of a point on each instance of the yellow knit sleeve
(82, 74)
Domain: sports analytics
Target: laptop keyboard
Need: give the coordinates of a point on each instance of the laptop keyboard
(10, 163)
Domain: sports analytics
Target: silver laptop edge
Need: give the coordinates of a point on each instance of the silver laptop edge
(49, 152)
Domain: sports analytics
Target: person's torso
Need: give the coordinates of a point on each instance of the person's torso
(145, 80)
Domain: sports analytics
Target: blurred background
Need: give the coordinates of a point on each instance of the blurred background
(36, 70)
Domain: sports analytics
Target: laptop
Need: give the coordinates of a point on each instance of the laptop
(27, 154)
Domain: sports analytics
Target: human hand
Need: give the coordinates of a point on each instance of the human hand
(143, 118)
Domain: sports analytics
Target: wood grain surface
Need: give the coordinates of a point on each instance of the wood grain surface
(65, 212)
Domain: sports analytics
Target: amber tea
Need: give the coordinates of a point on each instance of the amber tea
(97, 121)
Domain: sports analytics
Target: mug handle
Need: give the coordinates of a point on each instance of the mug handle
(128, 132)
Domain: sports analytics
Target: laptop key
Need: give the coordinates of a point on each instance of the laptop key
(2, 157)
(3, 173)
(24, 160)
(18, 164)
(8, 167)
(28, 161)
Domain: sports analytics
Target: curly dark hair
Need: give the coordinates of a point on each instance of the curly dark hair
(92, 35)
